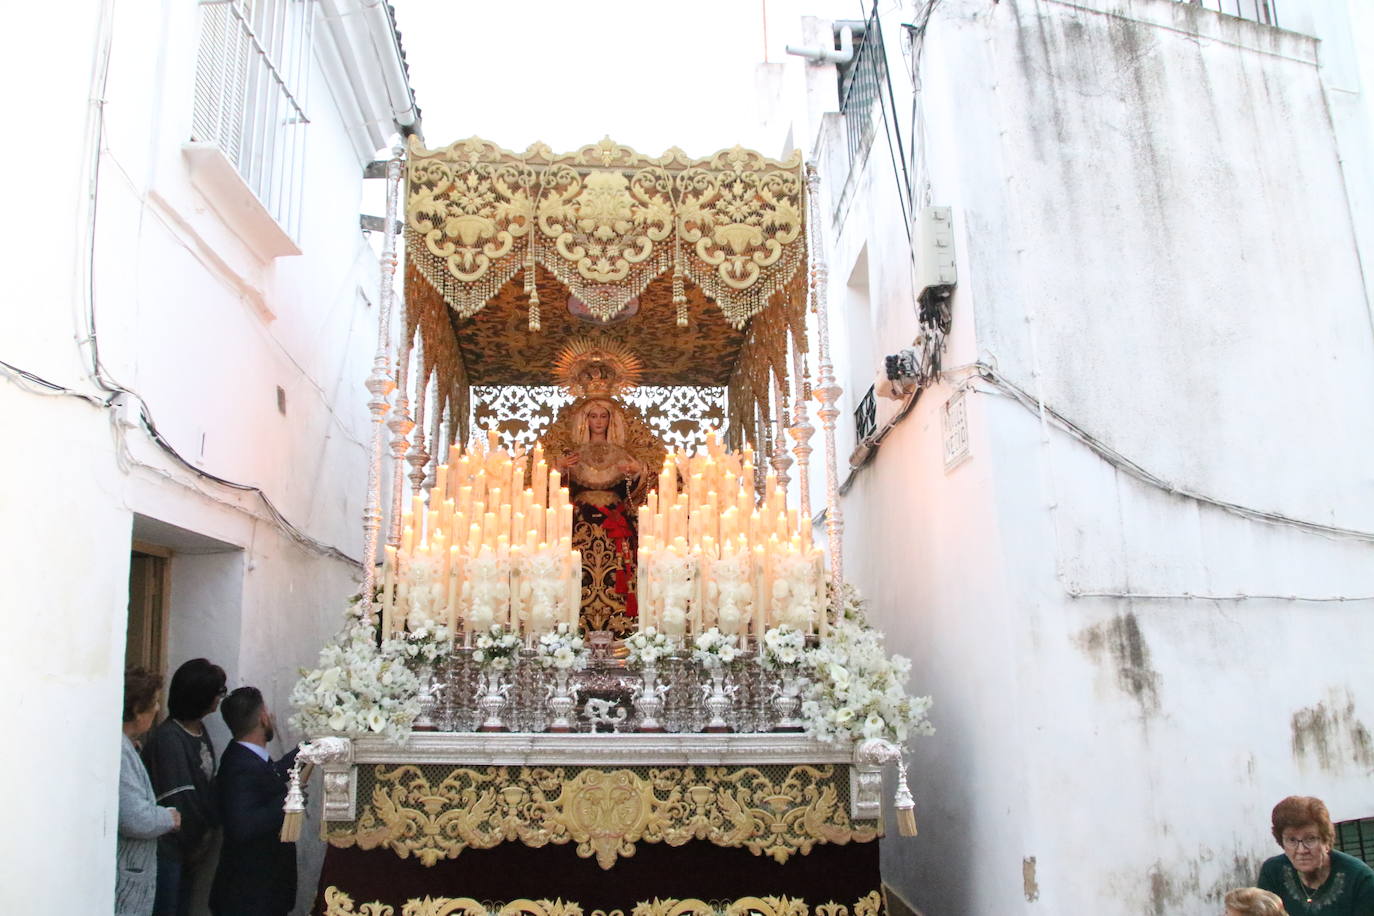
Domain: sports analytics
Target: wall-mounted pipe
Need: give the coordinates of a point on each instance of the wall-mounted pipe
(845, 32)
(382, 31)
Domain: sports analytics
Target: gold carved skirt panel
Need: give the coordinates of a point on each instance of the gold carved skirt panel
(337, 903)
(434, 812)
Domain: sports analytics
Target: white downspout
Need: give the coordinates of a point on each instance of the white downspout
(400, 102)
(828, 55)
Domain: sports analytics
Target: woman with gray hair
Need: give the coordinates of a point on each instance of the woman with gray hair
(141, 819)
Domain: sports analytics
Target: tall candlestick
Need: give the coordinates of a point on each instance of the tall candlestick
(440, 491)
(388, 587)
(455, 576)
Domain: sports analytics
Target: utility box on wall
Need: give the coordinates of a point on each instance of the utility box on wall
(935, 254)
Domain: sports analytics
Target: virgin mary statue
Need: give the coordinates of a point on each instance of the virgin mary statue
(610, 459)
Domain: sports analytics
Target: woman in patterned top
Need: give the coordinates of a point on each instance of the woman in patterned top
(1311, 877)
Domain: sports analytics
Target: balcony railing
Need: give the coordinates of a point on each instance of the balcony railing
(861, 80)
(866, 416)
(1264, 12)
(251, 79)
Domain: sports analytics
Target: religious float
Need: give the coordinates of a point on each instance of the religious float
(602, 664)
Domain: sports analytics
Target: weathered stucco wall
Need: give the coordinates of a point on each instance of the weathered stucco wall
(173, 298)
(1155, 238)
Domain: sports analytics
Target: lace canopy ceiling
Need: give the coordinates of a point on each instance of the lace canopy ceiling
(697, 265)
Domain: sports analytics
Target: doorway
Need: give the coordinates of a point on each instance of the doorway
(146, 643)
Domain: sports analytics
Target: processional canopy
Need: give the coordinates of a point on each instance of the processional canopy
(696, 267)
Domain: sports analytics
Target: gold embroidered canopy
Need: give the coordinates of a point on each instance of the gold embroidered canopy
(697, 265)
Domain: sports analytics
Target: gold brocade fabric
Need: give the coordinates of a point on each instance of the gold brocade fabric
(606, 220)
(498, 347)
(436, 812)
(338, 903)
(608, 571)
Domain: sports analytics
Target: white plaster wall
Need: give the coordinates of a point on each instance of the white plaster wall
(174, 294)
(1154, 232)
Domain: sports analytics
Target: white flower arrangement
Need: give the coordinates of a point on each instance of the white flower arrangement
(543, 587)
(858, 691)
(427, 644)
(486, 593)
(648, 645)
(794, 590)
(715, 648)
(562, 648)
(731, 590)
(495, 650)
(672, 582)
(784, 648)
(358, 688)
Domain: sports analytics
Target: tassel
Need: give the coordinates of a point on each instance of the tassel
(904, 803)
(532, 290)
(294, 816)
(679, 292)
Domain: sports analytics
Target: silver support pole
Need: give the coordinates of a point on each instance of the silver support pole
(418, 457)
(828, 390)
(801, 432)
(380, 384)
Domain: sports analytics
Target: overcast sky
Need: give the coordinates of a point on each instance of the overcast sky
(652, 74)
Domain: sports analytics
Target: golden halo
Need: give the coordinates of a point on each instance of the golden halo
(597, 367)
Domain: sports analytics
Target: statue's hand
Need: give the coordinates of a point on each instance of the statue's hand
(567, 460)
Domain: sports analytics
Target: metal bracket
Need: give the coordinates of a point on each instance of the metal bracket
(376, 223)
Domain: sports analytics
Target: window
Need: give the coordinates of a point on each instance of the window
(250, 91)
(1356, 838)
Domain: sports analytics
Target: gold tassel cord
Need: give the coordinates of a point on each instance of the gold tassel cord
(904, 804)
(293, 817)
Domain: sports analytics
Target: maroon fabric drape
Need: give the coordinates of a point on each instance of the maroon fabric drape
(698, 869)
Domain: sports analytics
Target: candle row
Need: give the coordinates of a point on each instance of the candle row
(711, 553)
(490, 542)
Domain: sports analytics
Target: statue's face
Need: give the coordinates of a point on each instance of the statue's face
(598, 418)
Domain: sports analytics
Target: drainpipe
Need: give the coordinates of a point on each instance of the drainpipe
(400, 100)
(845, 31)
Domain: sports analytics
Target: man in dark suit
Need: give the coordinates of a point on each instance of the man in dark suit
(257, 872)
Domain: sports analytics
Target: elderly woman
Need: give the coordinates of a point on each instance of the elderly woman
(1310, 877)
(141, 820)
(1251, 901)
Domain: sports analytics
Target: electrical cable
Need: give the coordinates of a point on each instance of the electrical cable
(1006, 387)
(98, 374)
(990, 375)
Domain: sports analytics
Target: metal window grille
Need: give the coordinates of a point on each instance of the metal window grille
(1264, 12)
(252, 74)
(860, 82)
(866, 416)
(1356, 838)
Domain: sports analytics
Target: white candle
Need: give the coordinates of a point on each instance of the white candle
(575, 589)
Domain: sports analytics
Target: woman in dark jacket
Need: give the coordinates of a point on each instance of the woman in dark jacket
(181, 762)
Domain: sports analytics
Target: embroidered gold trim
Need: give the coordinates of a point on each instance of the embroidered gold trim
(606, 220)
(605, 812)
(338, 903)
